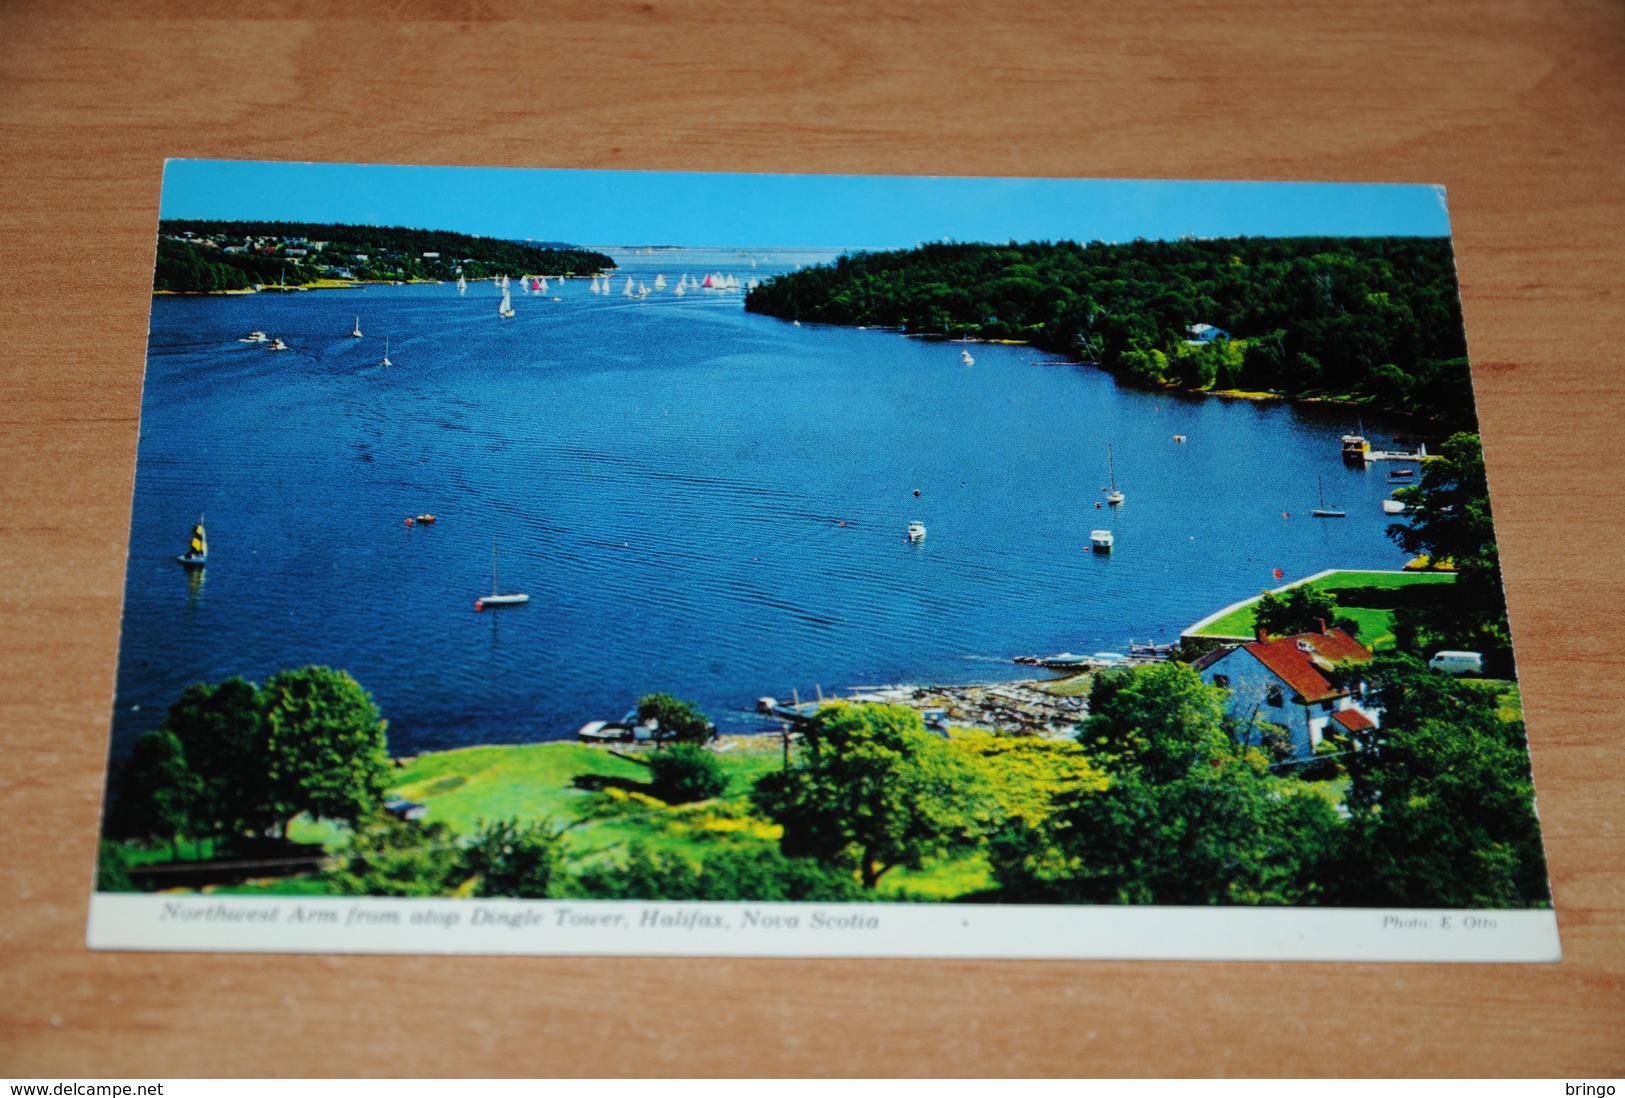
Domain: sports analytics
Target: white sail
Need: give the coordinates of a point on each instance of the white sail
(506, 308)
(643, 291)
(462, 285)
(386, 361)
(542, 289)
(660, 282)
(679, 291)
(628, 291)
(356, 332)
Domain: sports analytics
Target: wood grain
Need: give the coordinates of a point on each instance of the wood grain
(1514, 106)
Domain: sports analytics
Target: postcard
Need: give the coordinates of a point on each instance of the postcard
(598, 562)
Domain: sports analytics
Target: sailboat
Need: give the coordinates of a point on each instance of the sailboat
(494, 599)
(505, 310)
(660, 282)
(966, 359)
(356, 332)
(1323, 511)
(197, 550)
(1113, 496)
(462, 284)
(627, 291)
(386, 361)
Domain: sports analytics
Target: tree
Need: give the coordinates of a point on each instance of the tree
(1301, 609)
(1157, 720)
(756, 873)
(1449, 519)
(324, 746)
(221, 730)
(387, 856)
(1189, 816)
(678, 720)
(157, 794)
(517, 859)
(1441, 799)
(874, 790)
(687, 772)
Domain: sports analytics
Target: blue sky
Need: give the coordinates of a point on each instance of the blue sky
(728, 209)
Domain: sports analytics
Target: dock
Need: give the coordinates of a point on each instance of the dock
(1421, 454)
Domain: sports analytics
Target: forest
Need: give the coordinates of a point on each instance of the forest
(1375, 320)
(372, 253)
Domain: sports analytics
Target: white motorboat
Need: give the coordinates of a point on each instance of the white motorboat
(1101, 541)
(255, 337)
(916, 531)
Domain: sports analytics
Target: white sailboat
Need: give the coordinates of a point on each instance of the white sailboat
(1323, 511)
(628, 290)
(462, 284)
(1113, 496)
(660, 282)
(197, 550)
(356, 332)
(386, 361)
(505, 310)
(494, 599)
(678, 290)
(541, 285)
(965, 359)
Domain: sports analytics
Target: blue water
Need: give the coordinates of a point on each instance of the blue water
(668, 479)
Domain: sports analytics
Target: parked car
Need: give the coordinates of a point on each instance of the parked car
(1458, 663)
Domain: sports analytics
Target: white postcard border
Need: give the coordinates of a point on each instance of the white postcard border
(330, 924)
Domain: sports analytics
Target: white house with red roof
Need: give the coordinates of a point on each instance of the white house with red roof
(1288, 681)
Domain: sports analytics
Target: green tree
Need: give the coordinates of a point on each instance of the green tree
(1188, 816)
(874, 790)
(391, 857)
(221, 730)
(687, 772)
(1302, 609)
(746, 872)
(1448, 518)
(324, 745)
(678, 720)
(1441, 799)
(516, 859)
(157, 794)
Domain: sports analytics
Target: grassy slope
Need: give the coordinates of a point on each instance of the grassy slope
(1375, 625)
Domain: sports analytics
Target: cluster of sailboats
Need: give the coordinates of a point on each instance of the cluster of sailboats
(634, 288)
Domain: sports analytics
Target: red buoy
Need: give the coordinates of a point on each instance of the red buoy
(916, 491)
(479, 604)
(843, 524)
(408, 522)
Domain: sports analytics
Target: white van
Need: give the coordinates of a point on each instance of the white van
(1458, 663)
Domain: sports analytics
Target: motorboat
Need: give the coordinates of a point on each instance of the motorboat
(255, 337)
(916, 531)
(1101, 541)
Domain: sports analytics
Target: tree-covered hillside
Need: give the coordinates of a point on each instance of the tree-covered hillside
(1375, 319)
(207, 256)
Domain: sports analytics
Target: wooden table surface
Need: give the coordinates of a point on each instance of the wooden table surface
(1516, 107)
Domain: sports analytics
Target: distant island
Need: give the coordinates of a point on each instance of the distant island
(240, 256)
(1373, 320)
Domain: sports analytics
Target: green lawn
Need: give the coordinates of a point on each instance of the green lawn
(1376, 625)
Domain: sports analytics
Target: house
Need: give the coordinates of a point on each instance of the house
(1205, 333)
(1288, 681)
